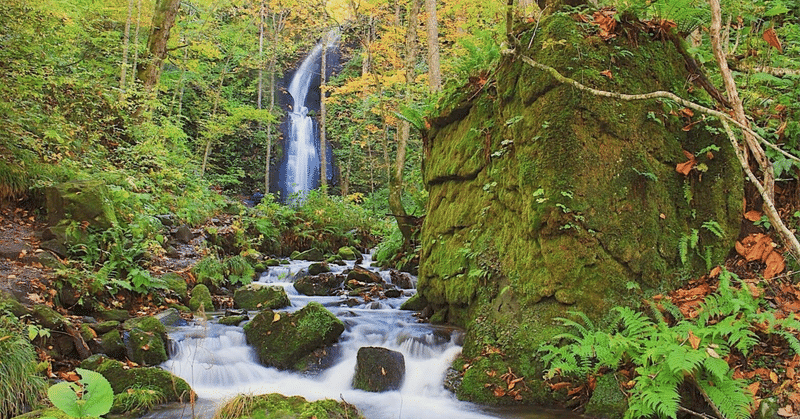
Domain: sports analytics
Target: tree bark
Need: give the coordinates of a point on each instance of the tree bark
(135, 63)
(396, 179)
(434, 66)
(149, 70)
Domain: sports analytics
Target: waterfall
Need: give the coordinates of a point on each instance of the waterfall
(300, 173)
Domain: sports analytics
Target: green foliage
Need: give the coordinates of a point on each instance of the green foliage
(390, 246)
(138, 399)
(666, 355)
(91, 396)
(481, 55)
(238, 270)
(20, 387)
(209, 270)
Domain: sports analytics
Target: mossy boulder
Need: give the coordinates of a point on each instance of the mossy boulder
(104, 326)
(111, 344)
(233, 320)
(175, 389)
(364, 275)
(283, 340)
(313, 254)
(346, 253)
(325, 284)
(113, 315)
(146, 340)
(201, 297)
(545, 199)
(318, 268)
(256, 296)
(608, 401)
(415, 303)
(176, 284)
(277, 406)
(80, 201)
(379, 369)
(10, 303)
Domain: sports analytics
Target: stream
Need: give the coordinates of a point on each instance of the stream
(217, 362)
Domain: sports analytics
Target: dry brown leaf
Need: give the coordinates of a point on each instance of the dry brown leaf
(499, 392)
(773, 377)
(714, 272)
(752, 215)
(559, 386)
(685, 168)
(753, 387)
(775, 265)
(790, 374)
(786, 411)
(687, 112)
(712, 353)
(772, 39)
(694, 340)
(608, 74)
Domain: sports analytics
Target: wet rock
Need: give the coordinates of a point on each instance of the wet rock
(318, 268)
(347, 253)
(283, 339)
(257, 296)
(393, 293)
(401, 279)
(15, 307)
(184, 234)
(104, 327)
(167, 220)
(174, 388)
(201, 297)
(171, 252)
(170, 317)
(313, 254)
(379, 369)
(363, 275)
(233, 320)
(146, 341)
(325, 284)
(272, 262)
(415, 303)
(114, 314)
(111, 344)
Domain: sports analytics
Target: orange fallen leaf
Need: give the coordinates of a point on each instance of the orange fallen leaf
(608, 74)
(753, 387)
(714, 272)
(752, 215)
(775, 265)
(786, 411)
(559, 386)
(773, 377)
(499, 392)
(694, 340)
(772, 39)
(686, 167)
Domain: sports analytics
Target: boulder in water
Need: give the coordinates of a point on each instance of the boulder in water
(379, 369)
(313, 254)
(174, 388)
(363, 275)
(146, 342)
(283, 340)
(347, 253)
(318, 268)
(256, 296)
(201, 296)
(324, 284)
(401, 279)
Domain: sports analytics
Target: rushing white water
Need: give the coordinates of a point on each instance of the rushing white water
(218, 363)
(302, 163)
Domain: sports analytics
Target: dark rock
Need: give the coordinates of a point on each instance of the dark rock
(272, 262)
(201, 297)
(257, 296)
(283, 339)
(171, 252)
(318, 268)
(325, 284)
(87, 333)
(167, 220)
(393, 293)
(363, 275)
(56, 246)
(184, 234)
(415, 303)
(11, 304)
(15, 251)
(170, 318)
(48, 259)
(294, 255)
(401, 279)
(379, 369)
(114, 314)
(314, 255)
(111, 344)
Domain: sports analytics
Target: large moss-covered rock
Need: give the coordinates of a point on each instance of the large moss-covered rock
(283, 340)
(346, 253)
(10, 303)
(201, 297)
(379, 369)
(545, 199)
(256, 296)
(146, 342)
(313, 254)
(80, 201)
(325, 284)
(277, 406)
(177, 285)
(175, 389)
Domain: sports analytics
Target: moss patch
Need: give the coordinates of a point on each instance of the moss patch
(276, 406)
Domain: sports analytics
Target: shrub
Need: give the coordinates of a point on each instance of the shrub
(20, 388)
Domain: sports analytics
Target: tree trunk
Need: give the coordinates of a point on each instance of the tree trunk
(323, 141)
(396, 179)
(123, 72)
(135, 63)
(149, 70)
(432, 26)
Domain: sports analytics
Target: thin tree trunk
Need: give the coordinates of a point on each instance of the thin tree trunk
(213, 115)
(149, 70)
(396, 180)
(123, 76)
(434, 71)
(346, 181)
(135, 63)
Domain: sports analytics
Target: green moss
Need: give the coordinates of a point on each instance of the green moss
(608, 401)
(175, 389)
(201, 297)
(545, 199)
(276, 406)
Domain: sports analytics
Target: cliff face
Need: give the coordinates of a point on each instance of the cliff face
(545, 199)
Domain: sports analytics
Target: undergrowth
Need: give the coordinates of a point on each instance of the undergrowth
(667, 354)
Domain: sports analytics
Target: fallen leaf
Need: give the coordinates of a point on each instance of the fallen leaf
(714, 272)
(687, 112)
(499, 392)
(662, 216)
(559, 386)
(753, 387)
(790, 374)
(276, 317)
(775, 265)
(773, 377)
(608, 74)
(786, 411)
(383, 371)
(772, 39)
(146, 347)
(752, 215)
(694, 340)
(712, 353)
(686, 167)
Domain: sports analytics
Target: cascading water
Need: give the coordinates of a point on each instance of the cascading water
(216, 361)
(301, 168)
